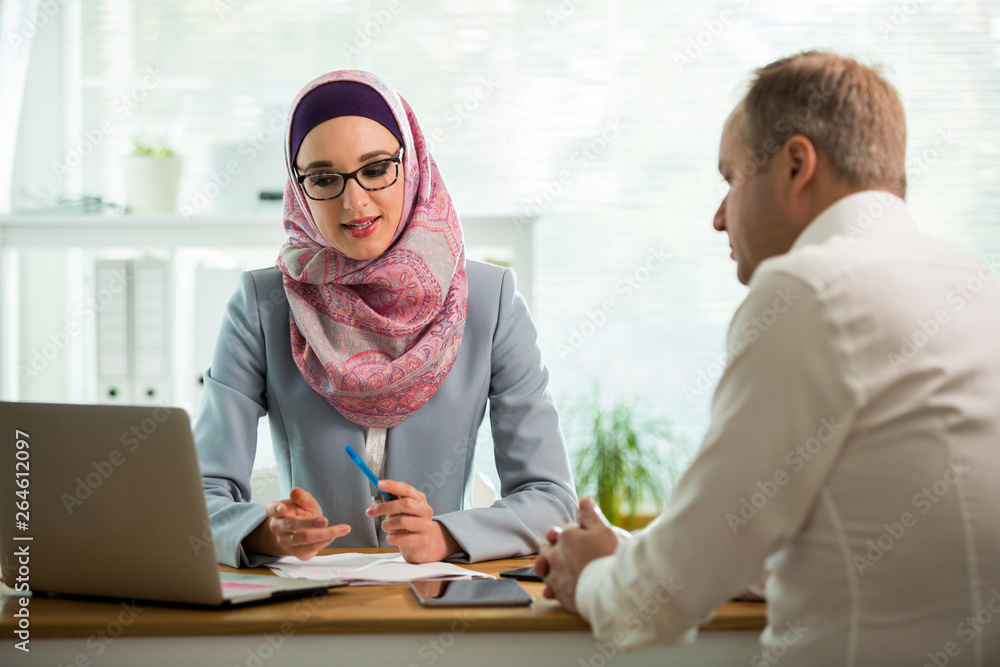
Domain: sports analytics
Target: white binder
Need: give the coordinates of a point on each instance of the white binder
(151, 331)
(133, 304)
(113, 318)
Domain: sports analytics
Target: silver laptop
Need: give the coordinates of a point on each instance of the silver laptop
(107, 500)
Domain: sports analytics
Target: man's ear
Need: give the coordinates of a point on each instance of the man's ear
(801, 158)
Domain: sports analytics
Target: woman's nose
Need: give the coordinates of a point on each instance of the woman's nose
(354, 195)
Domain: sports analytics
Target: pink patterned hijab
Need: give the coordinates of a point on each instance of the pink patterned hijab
(377, 337)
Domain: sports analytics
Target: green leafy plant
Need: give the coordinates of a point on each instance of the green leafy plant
(160, 149)
(620, 462)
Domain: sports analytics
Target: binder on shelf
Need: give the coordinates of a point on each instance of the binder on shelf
(151, 331)
(114, 363)
(133, 331)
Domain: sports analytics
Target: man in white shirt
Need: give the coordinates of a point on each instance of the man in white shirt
(854, 446)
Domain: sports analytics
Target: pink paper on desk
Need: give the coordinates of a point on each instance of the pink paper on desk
(238, 586)
(370, 569)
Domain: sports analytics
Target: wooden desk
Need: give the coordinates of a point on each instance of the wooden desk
(378, 625)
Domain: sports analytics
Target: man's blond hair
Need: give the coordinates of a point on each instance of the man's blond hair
(848, 110)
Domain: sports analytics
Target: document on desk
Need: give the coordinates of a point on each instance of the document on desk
(370, 569)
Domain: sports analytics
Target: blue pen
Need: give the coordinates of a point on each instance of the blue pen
(368, 472)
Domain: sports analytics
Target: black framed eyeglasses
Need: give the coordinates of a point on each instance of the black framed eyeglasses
(330, 185)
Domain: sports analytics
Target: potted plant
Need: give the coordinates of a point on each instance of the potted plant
(619, 462)
(152, 178)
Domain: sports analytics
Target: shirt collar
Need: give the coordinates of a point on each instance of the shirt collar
(855, 215)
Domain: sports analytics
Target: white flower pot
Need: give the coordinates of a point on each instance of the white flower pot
(151, 183)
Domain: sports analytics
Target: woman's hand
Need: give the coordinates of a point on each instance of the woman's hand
(409, 524)
(294, 527)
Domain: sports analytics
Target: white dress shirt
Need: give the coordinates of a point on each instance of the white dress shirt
(854, 450)
(375, 439)
(375, 452)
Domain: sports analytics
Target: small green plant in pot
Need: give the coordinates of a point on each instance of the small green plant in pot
(160, 149)
(152, 174)
(619, 463)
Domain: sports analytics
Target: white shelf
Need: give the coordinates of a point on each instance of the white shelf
(134, 231)
(251, 230)
(495, 237)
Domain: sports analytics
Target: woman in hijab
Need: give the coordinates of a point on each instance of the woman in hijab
(374, 331)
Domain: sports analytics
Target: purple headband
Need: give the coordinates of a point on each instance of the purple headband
(336, 99)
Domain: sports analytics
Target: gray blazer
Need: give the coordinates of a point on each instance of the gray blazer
(499, 364)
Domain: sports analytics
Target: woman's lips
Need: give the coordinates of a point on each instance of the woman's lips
(362, 227)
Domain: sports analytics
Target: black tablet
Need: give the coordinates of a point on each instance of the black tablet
(522, 573)
(471, 593)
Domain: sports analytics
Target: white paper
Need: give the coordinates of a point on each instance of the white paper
(370, 569)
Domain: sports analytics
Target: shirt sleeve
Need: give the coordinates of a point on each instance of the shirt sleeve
(780, 415)
(226, 429)
(536, 484)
